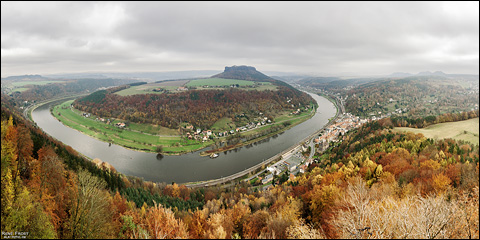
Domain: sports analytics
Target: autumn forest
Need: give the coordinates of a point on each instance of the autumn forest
(374, 184)
(201, 108)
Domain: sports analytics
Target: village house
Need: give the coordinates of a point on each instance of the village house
(304, 148)
(182, 89)
(267, 178)
(292, 177)
(291, 167)
(274, 170)
(303, 168)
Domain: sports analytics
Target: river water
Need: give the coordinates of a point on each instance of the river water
(189, 167)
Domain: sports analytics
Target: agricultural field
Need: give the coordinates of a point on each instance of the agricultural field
(200, 84)
(171, 86)
(220, 83)
(467, 130)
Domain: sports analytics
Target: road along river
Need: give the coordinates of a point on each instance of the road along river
(185, 168)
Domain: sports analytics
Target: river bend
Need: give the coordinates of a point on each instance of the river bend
(189, 167)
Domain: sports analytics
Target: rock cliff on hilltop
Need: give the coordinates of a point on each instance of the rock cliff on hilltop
(243, 73)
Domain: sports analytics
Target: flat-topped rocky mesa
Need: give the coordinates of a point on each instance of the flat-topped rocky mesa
(243, 73)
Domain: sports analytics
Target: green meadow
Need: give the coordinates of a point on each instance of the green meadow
(462, 130)
(131, 137)
(210, 83)
(218, 82)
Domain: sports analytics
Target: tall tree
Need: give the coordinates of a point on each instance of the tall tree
(89, 214)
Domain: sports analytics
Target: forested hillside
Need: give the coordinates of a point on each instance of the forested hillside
(417, 96)
(202, 108)
(71, 86)
(375, 183)
(412, 97)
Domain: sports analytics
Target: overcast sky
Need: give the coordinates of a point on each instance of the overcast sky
(332, 38)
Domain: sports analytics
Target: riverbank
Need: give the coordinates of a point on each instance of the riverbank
(142, 137)
(109, 133)
(292, 123)
(28, 110)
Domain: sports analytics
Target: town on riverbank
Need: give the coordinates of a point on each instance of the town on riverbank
(299, 158)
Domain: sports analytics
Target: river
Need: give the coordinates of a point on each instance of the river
(189, 167)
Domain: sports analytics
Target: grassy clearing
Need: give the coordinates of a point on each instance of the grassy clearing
(132, 91)
(149, 87)
(467, 130)
(153, 129)
(218, 82)
(142, 89)
(20, 89)
(174, 144)
(212, 83)
(223, 124)
(221, 83)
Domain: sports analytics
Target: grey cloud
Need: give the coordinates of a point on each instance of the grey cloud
(362, 37)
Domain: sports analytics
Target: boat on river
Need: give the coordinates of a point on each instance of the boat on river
(213, 155)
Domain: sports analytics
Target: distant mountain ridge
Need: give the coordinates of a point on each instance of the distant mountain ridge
(424, 73)
(25, 77)
(243, 73)
(145, 76)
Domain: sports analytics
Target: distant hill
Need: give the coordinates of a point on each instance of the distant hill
(24, 77)
(419, 96)
(243, 73)
(424, 73)
(144, 76)
(427, 73)
(400, 75)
